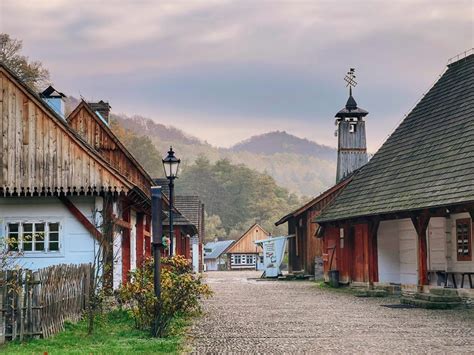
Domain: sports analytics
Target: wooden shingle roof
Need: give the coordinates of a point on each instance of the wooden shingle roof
(427, 162)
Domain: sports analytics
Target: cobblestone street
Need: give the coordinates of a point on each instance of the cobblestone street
(252, 316)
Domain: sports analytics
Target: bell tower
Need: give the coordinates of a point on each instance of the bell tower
(352, 145)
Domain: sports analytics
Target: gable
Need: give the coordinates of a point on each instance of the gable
(40, 153)
(99, 136)
(427, 162)
(245, 244)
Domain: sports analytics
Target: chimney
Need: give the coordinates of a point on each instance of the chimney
(54, 99)
(102, 109)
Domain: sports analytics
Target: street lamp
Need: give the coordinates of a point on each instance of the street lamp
(171, 166)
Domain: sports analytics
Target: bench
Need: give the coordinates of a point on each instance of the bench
(445, 277)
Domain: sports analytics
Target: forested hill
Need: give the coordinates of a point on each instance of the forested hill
(282, 142)
(303, 167)
(235, 196)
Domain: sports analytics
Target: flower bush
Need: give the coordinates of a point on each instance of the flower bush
(181, 292)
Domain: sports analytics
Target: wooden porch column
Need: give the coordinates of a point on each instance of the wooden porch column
(140, 239)
(147, 236)
(420, 222)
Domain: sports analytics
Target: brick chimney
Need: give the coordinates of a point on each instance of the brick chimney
(102, 109)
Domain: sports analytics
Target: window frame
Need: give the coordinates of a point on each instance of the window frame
(467, 257)
(46, 251)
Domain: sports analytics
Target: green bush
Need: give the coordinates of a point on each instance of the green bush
(181, 292)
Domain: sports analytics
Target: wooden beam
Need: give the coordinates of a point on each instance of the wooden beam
(420, 222)
(121, 223)
(80, 217)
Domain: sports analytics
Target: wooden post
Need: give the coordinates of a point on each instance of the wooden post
(140, 239)
(420, 222)
(373, 248)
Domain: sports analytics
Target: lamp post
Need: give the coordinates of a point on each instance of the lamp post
(171, 166)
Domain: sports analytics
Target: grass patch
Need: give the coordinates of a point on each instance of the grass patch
(114, 334)
(341, 289)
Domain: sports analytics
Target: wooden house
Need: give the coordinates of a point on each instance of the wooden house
(57, 172)
(305, 249)
(406, 216)
(244, 253)
(214, 257)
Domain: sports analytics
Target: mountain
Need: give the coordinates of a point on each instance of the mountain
(300, 165)
(144, 126)
(282, 142)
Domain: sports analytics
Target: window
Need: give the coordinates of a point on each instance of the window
(463, 239)
(250, 259)
(13, 231)
(33, 237)
(237, 259)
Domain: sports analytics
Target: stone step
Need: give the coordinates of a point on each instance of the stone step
(444, 291)
(429, 304)
(436, 298)
(370, 293)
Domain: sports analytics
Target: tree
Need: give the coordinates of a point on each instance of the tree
(239, 196)
(142, 148)
(214, 227)
(31, 73)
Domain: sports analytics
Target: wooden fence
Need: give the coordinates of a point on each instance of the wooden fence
(37, 303)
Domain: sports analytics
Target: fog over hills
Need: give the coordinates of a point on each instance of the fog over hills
(302, 166)
(283, 142)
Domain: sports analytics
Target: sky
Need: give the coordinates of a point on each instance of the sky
(226, 70)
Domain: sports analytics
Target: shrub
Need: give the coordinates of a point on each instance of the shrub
(181, 292)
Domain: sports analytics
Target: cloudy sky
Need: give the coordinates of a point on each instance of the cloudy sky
(226, 70)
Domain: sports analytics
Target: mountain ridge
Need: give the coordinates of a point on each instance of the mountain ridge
(302, 166)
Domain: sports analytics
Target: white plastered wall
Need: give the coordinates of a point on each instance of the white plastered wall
(77, 246)
(452, 260)
(388, 252)
(397, 257)
(133, 240)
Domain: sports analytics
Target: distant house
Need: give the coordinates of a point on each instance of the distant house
(244, 253)
(214, 257)
(306, 247)
(189, 236)
(406, 217)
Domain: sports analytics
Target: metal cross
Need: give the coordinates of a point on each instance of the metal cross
(350, 78)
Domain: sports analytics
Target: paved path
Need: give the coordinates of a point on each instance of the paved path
(249, 316)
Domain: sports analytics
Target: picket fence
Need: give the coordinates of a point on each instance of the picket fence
(37, 303)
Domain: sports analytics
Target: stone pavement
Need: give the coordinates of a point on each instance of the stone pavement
(274, 317)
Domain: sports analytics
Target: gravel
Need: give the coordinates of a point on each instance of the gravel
(274, 317)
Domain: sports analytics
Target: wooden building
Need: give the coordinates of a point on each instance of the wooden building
(244, 253)
(305, 249)
(406, 216)
(57, 173)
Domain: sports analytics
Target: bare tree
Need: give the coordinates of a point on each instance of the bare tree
(31, 72)
(101, 280)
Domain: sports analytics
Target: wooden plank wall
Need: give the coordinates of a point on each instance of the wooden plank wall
(93, 131)
(246, 243)
(40, 152)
